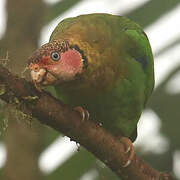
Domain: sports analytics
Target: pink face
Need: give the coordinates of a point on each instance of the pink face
(55, 66)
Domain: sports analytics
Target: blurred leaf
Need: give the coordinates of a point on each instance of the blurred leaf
(1, 171)
(168, 46)
(152, 11)
(166, 107)
(57, 9)
(74, 167)
(49, 136)
(156, 161)
(105, 173)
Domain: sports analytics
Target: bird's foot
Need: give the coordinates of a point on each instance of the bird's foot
(129, 149)
(83, 112)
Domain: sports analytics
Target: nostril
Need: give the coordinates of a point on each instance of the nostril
(34, 67)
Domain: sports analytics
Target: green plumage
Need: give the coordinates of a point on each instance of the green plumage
(119, 78)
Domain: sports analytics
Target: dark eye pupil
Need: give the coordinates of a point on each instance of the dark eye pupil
(55, 56)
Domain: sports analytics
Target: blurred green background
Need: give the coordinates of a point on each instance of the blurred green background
(32, 151)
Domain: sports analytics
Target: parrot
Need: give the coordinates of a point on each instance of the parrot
(101, 65)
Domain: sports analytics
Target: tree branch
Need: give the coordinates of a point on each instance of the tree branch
(50, 111)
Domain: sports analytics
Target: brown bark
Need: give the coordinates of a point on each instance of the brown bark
(92, 136)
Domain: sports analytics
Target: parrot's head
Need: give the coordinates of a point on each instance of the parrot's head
(56, 62)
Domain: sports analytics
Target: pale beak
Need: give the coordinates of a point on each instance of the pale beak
(38, 76)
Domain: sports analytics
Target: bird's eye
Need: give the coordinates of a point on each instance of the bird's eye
(55, 56)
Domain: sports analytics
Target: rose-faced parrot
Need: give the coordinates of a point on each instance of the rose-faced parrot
(102, 63)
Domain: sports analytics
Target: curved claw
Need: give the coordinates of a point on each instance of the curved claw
(127, 164)
(129, 148)
(83, 112)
